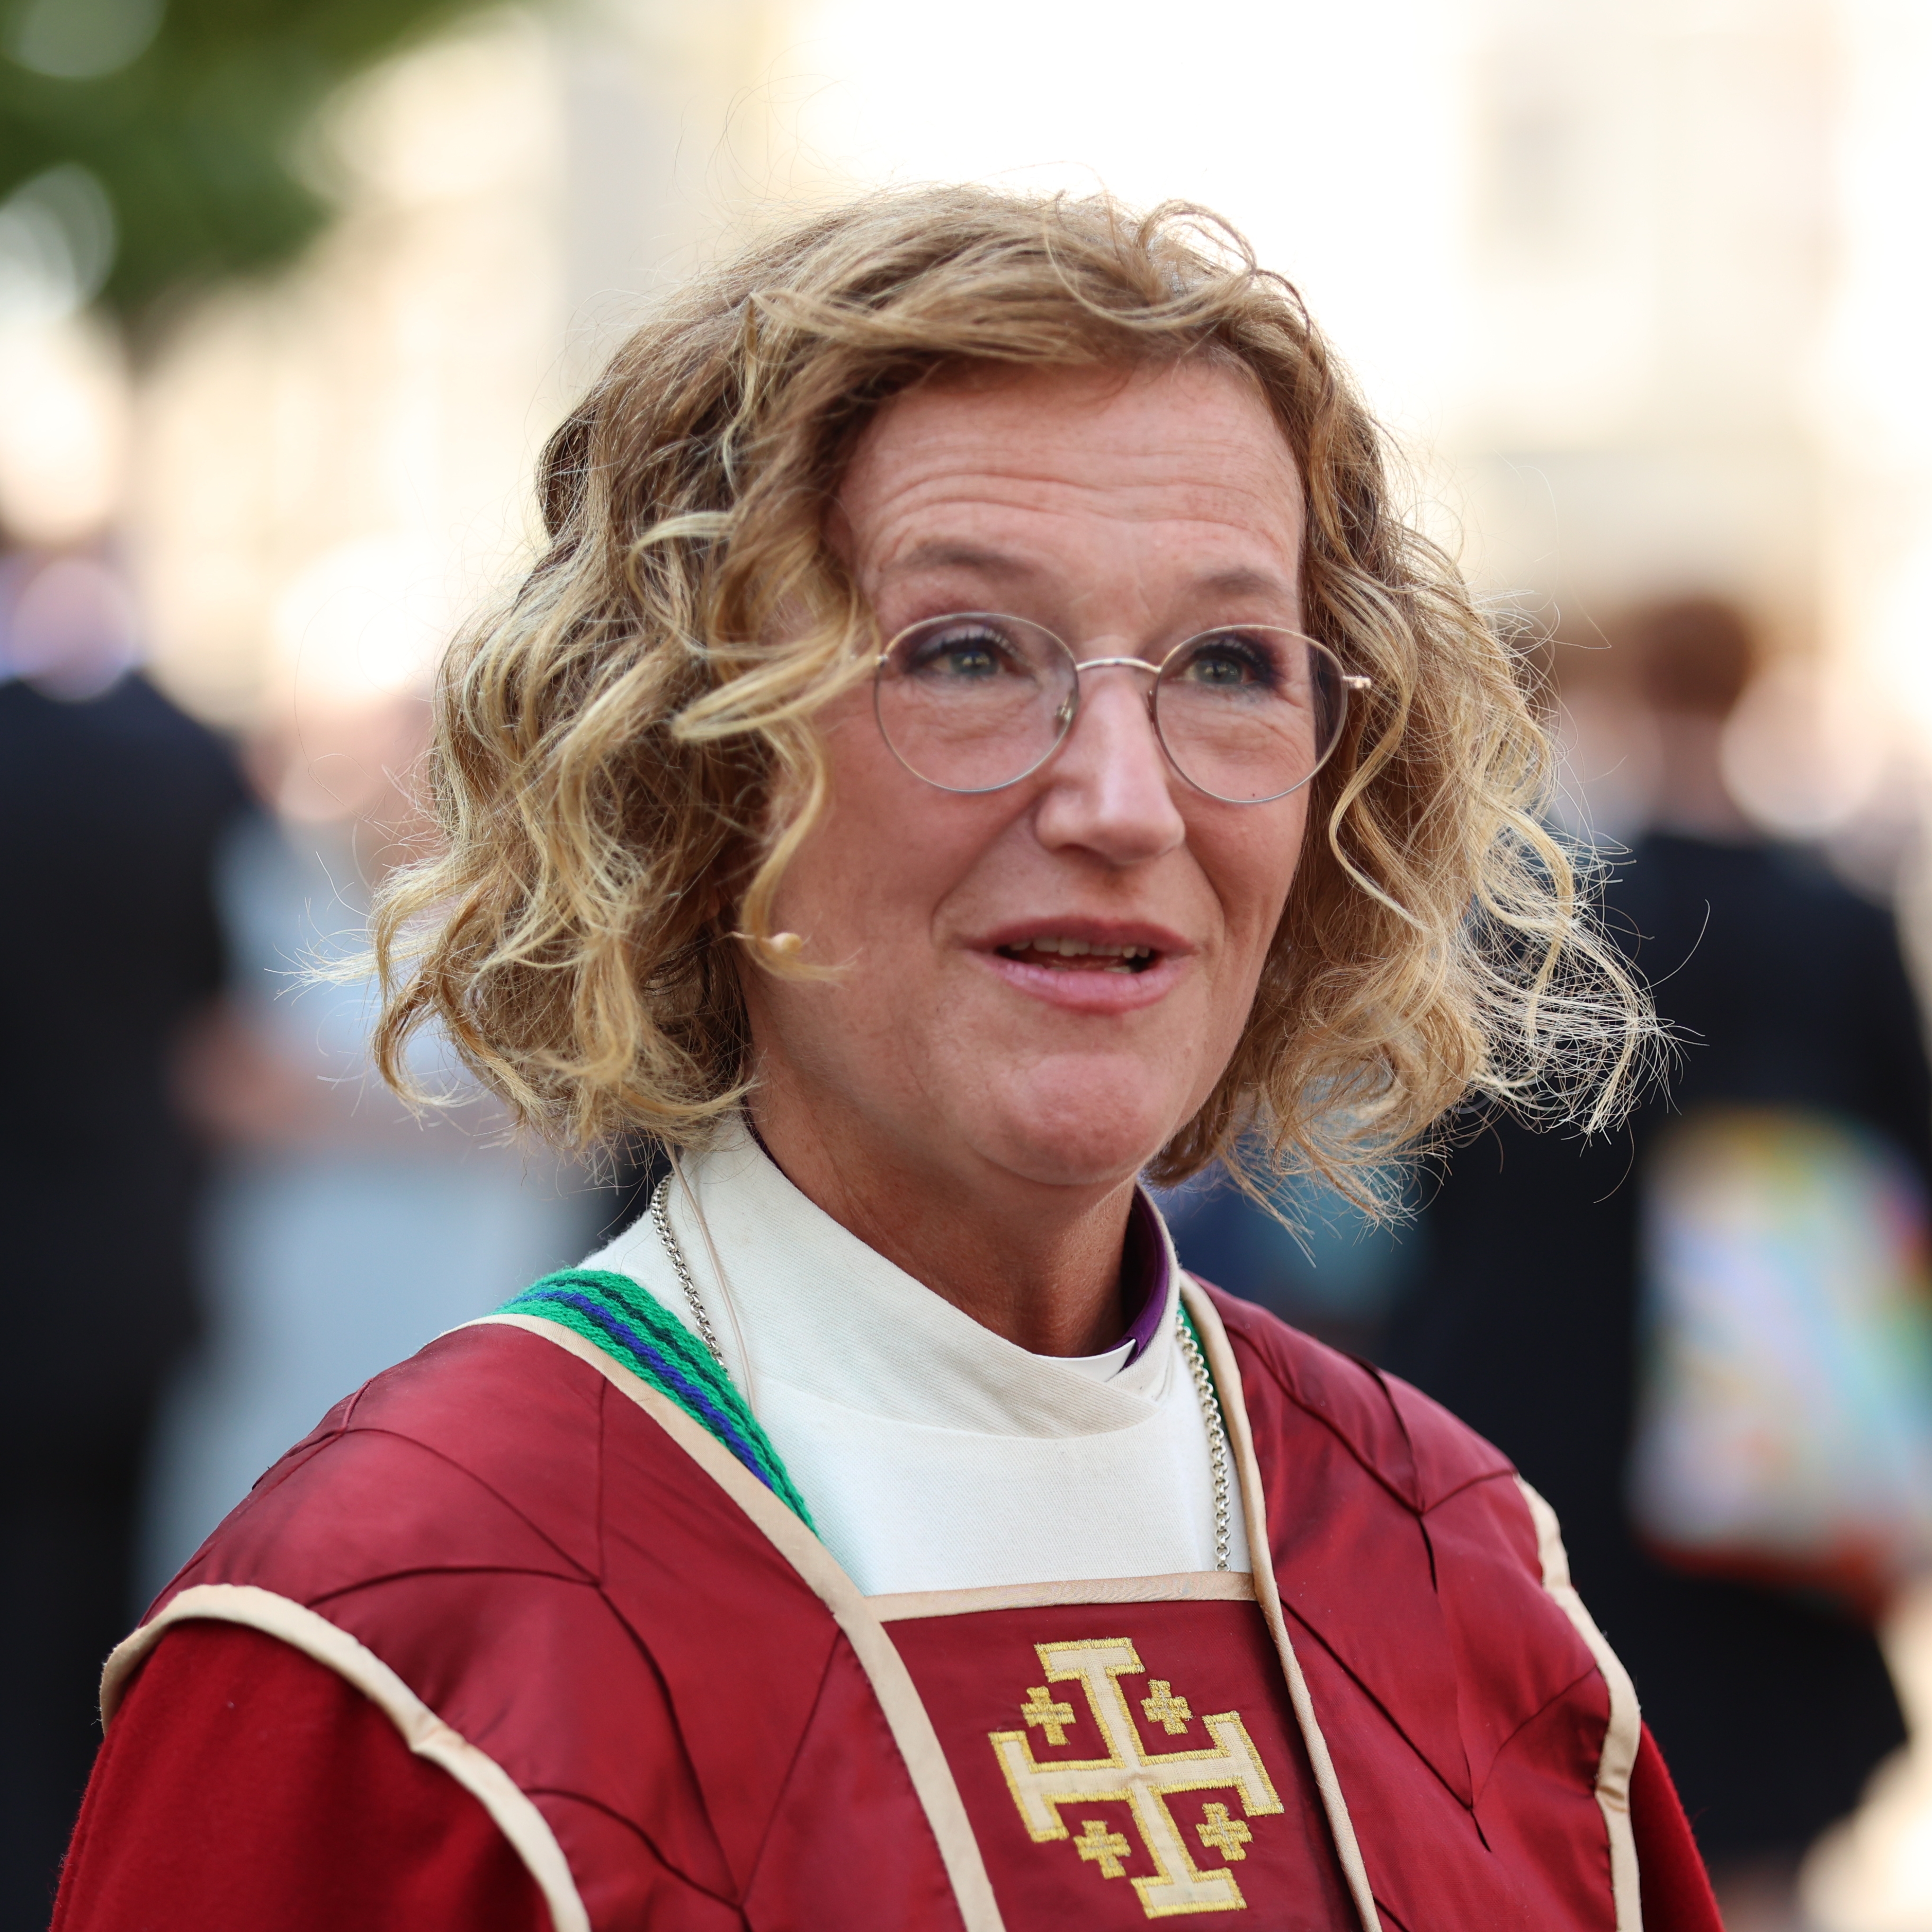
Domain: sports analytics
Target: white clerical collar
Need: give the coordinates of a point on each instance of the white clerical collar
(795, 1298)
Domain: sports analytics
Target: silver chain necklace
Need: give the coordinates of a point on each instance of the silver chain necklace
(661, 1220)
(1217, 1434)
(1190, 1349)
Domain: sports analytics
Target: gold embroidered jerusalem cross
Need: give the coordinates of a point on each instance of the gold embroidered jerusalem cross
(1143, 1779)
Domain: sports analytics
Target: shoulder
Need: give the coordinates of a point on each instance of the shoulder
(1433, 1585)
(483, 1448)
(495, 1530)
(1375, 1492)
(1407, 1443)
(505, 1507)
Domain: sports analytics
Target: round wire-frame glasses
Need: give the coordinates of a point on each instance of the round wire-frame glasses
(975, 701)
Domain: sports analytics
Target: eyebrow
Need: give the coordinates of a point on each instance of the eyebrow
(1241, 581)
(944, 553)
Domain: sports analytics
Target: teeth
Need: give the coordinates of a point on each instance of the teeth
(1077, 948)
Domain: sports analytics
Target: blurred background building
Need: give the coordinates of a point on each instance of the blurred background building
(289, 298)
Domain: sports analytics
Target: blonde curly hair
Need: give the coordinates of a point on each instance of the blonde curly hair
(625, 756)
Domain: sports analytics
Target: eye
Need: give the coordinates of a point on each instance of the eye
(1227, 661)
(961, 654)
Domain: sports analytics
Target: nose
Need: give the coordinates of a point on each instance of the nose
(1109, 788)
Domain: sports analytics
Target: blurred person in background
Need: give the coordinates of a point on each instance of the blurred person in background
(1801, 1059)
(113, 806)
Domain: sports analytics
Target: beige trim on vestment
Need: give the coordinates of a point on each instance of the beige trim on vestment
(892, 1683)
(423, 1731)
(1227, 1376)
(1621, 1735)
(1186, 1586)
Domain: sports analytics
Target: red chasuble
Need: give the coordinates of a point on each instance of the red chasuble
(659, 1702)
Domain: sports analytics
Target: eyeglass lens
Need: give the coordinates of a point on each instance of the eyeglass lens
(975, 701)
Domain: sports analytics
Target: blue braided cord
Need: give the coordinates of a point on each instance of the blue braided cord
(684, 1383)
(720, 1424)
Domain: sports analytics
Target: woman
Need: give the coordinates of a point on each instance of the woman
(978, 732)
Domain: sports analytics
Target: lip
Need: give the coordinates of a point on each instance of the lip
(1089, 992)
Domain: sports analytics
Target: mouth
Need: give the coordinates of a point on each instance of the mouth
(1100, 967)
(1059, 954)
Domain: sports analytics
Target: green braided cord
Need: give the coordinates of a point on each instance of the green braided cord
(613, 1312)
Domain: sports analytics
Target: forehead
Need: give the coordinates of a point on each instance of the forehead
(1182, 464)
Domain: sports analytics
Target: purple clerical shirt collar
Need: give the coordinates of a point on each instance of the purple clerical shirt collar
(1143, 1276)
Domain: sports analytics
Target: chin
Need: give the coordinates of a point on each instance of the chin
(1080, 1132)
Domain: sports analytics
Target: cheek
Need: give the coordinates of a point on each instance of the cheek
(885, 853)
(1252, 867)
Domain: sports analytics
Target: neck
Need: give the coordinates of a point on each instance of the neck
(1039, 1265)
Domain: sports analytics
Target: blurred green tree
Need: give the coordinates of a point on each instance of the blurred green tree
(148, 145)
